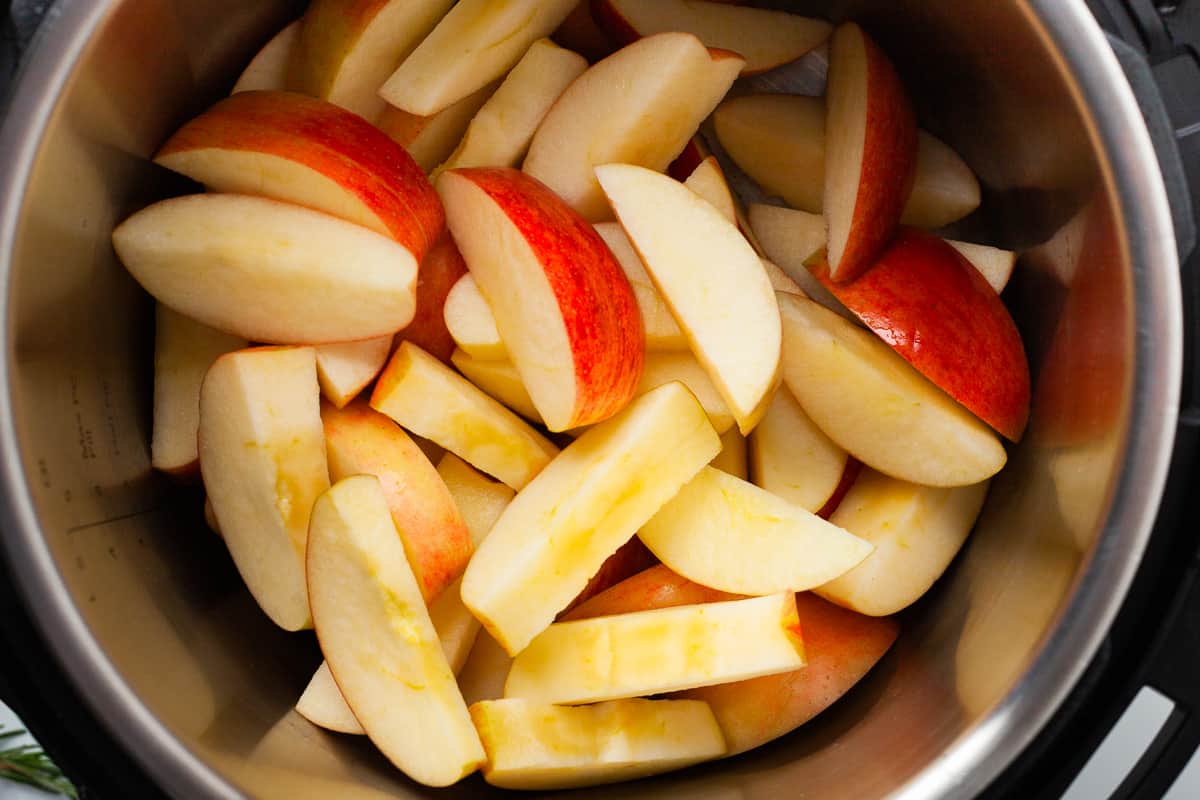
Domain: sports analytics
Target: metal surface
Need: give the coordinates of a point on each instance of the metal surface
(145, 611)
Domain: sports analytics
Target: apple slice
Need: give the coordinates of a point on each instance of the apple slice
(378, 640)
(268, 71)
(729, 534)
(500, 380)
(708, 181)
(486, 670)
(262, 455)
(476, 43)
(664, 368)
(299, 150)
(925, 299)
(657, 587)
(629, 559)
(871, 402)
(649, 652)
(470, 321)
(581, 508)
(361, 441)
(562, 304)
(916, 531)
(732, 458)
(543, 747)
(430, 140)
(662, 331)
(268, 271)
(348, 49)
(183, 352)
(994, 264)
(628, 108)
(853, 469)
(500, 133)
(344, 369)
(710, 277)
(766, 39)
(431, 400)
(440, 270)
(871, 159)
(322, 704)
(793, 458)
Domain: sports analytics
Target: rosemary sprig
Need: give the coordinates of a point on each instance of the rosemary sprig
(29, 764)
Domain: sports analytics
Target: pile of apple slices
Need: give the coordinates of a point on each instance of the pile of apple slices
(582, 471)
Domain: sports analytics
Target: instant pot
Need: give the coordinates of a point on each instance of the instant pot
(131, 648)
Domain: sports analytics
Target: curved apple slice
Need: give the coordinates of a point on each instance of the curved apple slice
(662, 331)
(440, 270)
(792, 458)
(345, 368)
(470, 321)
(708, 181)
(870, 401)
(629, 559)
(664, 368)
(500, 380)
(268, 70)
(322, 704)
(430, 140)
(657, 587)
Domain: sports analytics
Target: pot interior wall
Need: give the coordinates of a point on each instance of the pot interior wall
(166, 606)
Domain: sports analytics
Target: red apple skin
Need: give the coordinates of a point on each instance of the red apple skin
(440, 270)
(579, 32)
(332, 141)
(657, 587)
(849, 476)
(925, 299)
(630, 559)
(602, 319)
(687, 161)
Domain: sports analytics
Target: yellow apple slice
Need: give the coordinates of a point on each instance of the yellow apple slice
(477, 42)
(766, 39)
(269, 271)
(710, 277)
(470, 321)
(378, 640)
(430, 140)
(870, 401)
(268, 71)
(183, 352)
(708, 181)
(664, 368)
(916, 531)
(483, 676)
(543, 747)
(732, 458)
(322, 704)
(730, 535)
(994, 264)
(792, 458)
(499, 379)
(348, 49)
(649, 652)
(431, 400)
(344, 369)
(588, 502)
(662, 331)
(262, 455)
(628, 108)
(500, 133)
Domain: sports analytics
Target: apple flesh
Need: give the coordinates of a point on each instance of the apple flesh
(711, 279)
(476, 43)
(431, 400)
(588, 502)
(430, 140)
(994, 264)
(662, 331)
(322, 704)
(562, 305)
(708, 181)
(486, 670)
(733, 457)
(542, 747)
(268, 71)
(470, 321)
(500, 380)
(664, 368)
(378, 640)
(268, 271)
(792, 458)
(345, 369)
(628, 108)
(439, 272)
(262, 456)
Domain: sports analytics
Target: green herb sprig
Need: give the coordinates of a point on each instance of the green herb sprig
(29, 764)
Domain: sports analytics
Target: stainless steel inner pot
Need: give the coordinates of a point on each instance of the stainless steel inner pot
(144, 609)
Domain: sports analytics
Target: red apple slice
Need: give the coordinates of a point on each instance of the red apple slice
(793, 458)
(293, 148)
(183, 352)
(476, 43)
(500, 380)
(440, 270)
(766, 39)
(854, 468)
(430, 140)
(934, 309)
(562, 304)
(470, 321)
(269, 271)
(630, 559)
(657, 587)
(628, 109)
(733, 456)
(708, 181)
(871, 159)
(268, 71)
(345, 369)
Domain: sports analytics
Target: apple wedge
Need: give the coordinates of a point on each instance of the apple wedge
(268, 271)
(792, 458)
(629, 559)
(710, 277)
(854, 468)
(581, 508)
(322, 704)
(543, 747)
(183, 352)
(766, 39)
(430, 140)
(268, 71)
(471, 323)
(349, 47)
(732, 459)
(361, 441)
(288, 147)
(486, 670)
(378, 640)
(439, 272)
(650, 652)
(994, 264)
(916, 531)
(262, 455)
(664, 368)
(499, 135)
(344, 369)
(871, 402)
(708, 181)
(476, 43)
(562, 304)
(500, 380)
(431, 400)
(925, 299)
(628, 108)
(662, 331)
(724, 532)
(657, 587)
